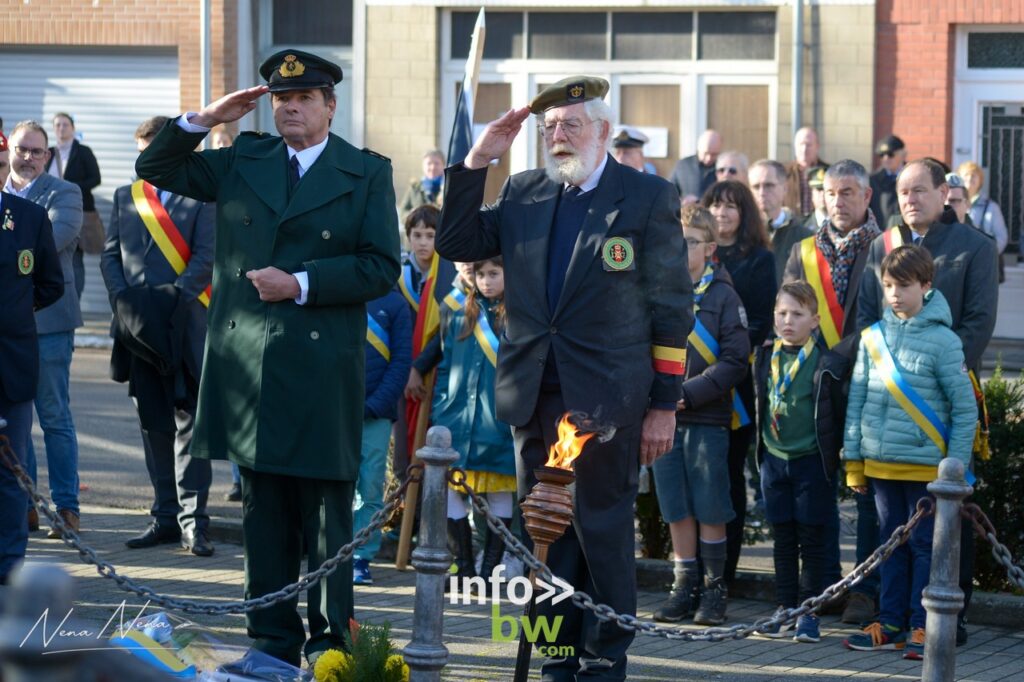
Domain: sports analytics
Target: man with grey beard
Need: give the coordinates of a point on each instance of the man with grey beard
(598, 309)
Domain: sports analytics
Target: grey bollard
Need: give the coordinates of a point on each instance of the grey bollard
(425, 654)
(943, 597)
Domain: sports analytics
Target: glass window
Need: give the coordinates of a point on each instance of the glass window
(568, 35)
(995, 50)
(736, 35)
(652, 35)
(312, 22)
(504, 35)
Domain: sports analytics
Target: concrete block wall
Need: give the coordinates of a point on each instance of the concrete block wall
(838, 79)
(402, 100)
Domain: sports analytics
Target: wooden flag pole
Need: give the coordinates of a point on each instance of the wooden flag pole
(412, 493)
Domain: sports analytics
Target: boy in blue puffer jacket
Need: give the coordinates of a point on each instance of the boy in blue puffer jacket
(911, 404)
(388, 358)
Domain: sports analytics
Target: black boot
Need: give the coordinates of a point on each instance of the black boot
(494, 550)
(460, 544)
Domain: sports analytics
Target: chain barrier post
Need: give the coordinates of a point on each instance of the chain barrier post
(425, 654)
(943, 597)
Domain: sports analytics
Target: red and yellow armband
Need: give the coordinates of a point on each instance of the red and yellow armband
(668, 360)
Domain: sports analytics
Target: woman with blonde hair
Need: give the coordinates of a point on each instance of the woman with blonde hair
(985, 213)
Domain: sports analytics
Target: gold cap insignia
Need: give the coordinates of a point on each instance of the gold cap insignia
(291, 67)
(576, 91)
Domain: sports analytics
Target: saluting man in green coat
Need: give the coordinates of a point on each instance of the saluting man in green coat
(306, 234)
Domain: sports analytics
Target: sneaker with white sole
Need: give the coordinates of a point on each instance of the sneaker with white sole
(808, 629)
(778, 631)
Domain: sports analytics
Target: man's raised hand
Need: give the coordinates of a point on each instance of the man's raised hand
(496, 138)
(230, 107)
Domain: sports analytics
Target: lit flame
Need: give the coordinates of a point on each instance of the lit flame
(569, 446)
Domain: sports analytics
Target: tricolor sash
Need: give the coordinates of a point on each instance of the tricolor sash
(407, 289)
(892, 238)
(164, 232)
(904, 394)
(456, 299)
(486, 338)
(819, 276)
(378, 337)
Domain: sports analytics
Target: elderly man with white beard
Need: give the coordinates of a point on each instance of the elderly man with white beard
(598, 311)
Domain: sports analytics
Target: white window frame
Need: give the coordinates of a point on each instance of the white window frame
(693, 76)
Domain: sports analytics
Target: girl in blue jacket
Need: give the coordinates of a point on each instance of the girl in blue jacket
(464, 403)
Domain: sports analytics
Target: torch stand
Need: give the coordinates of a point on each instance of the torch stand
(547, 512)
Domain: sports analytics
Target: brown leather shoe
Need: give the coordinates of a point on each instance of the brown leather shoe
(33, 520)
(70, 520)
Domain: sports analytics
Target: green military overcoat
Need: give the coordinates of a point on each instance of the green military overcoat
(282, 383)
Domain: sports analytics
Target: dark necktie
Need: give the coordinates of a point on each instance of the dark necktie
(293, 172)
(572, 191)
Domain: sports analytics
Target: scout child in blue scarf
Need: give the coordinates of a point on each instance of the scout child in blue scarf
(464, 402)
(692, 479)
(911, 405)
(800, 409)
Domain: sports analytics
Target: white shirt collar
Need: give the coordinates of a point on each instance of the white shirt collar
(781, 220)
(11, 189)
(595, 177)
(309, 155)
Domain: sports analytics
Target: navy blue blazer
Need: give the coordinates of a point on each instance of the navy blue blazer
(30, 279)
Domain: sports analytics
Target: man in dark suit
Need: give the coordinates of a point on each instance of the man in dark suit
(307, 233)
(599, 307)
(56, 325)
(134, 260)
(72, 161)
(30, 279)
(694, 174)
(892, 154)
(768, 184)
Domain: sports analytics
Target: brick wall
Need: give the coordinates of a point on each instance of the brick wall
(134, 23)
(402, 103)
(915, 65)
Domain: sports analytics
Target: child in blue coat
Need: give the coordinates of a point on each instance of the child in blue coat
(464, 403)
(911, 404)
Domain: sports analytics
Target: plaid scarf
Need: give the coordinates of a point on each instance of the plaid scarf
(840, 250)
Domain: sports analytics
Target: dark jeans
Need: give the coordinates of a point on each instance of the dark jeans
(13, 500)
(905, 574)
(739, 444)
(795, 543)
(867, 540)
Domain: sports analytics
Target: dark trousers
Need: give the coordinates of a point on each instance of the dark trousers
(281, 515)
(833, 567)
(13, 500)
(739, 445)
(596, 552)
(181, 483)
(867, 539)
(905, 574)
(797, 543)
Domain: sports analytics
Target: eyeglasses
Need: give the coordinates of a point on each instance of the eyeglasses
(34, 152)
(571, 127)
(694, 243)
(731, 170)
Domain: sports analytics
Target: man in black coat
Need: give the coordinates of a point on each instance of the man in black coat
(892, 154)
(599, 307)
(132, 262)
(30, 279)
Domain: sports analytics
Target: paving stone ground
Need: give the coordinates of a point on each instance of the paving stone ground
(991, 654)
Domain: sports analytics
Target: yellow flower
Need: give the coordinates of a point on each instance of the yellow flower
(396, 669)
(333, 665)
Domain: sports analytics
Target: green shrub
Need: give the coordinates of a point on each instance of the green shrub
(999, 490)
